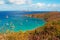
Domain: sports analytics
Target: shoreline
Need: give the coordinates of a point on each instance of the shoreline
(51, 30)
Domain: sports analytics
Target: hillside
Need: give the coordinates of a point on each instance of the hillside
(47, 16)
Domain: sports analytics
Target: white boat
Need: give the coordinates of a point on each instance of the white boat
(26, 20)
(7, 17)
(7, 23)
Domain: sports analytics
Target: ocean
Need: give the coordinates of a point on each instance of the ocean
(16, 21)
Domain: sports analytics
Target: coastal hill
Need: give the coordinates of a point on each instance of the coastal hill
(47, 16)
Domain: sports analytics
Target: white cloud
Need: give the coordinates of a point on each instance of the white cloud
(2, 2)
(39, 5)
(12, 1)
(36, 6)
(53, 5)
(17, 1)
(20, 1)
(44, 5)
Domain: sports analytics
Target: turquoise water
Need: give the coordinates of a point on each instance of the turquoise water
(20, 23)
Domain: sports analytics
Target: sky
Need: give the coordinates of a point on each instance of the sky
(29, 5)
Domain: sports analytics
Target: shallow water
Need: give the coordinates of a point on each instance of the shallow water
(20, 23)
(16, 21)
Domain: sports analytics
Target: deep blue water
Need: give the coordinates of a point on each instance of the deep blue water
(16, 21)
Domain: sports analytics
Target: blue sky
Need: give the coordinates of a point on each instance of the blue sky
(29, 5)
